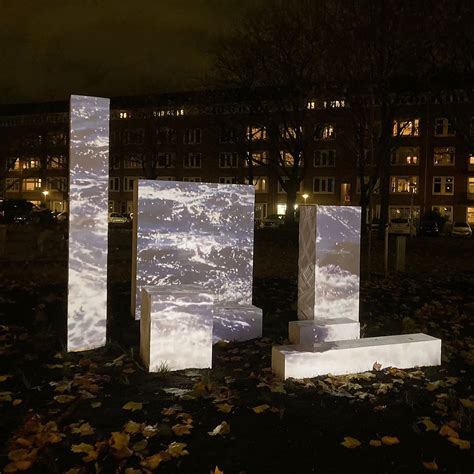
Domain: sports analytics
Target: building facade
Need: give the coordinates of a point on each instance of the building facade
(185, 137)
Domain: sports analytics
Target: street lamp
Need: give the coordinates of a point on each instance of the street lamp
(412, 187)
(45, 194)
(305, 196)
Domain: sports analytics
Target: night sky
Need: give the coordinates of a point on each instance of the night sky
(52, 48)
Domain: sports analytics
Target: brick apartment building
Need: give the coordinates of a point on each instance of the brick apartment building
(432, 164)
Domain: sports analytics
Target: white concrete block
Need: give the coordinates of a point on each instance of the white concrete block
(329, 262)
(234, 322)
(359, 355)
(176, 327)
(322, 330)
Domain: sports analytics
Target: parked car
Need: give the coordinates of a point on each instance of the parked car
(16, 211)
(273, 221)
(116, 218)
(461, 229)
(400, 225)
(429, 228)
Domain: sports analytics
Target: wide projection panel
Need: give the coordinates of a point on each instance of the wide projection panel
(329, 262)
(194, 233)
(176, 327)
(88, 211)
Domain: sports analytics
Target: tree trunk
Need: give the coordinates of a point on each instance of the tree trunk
(290, 203)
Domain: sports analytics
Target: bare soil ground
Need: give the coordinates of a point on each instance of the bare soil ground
(101, 412)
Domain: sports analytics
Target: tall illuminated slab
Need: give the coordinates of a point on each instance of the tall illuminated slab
(329, 262)
(194, 233)
(88, 211)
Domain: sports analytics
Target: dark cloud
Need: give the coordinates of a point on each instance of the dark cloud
(52, 48)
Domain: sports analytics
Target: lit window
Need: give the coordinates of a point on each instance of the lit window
(443, 185)
(228, 160)
(311, 105)
(192, 160)
(406, 156)
(406, 128)
(445, 211)
(287, 159)
(471, 159)
(444, 128)
(123, 115)
(260, 183)
(13, 164)
(31, 184)
(31, 163)
(404, 184)
(324, 158)
(259, 158)
(470, 184)
(256, 133)
(444, 156)
(56, 162)
(133, 162)
(334, 104)
(290, 133)
(323, 185)
(324, 132)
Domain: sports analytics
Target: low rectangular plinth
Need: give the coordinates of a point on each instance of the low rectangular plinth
(176, 327)
(234, 322)
(359, 355)
(323, 330)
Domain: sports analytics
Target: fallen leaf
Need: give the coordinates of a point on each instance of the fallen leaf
(152, 462)
(149, 431)
(4, 377)
(85, 448)
(390, 440)
(96, 404)
(261, 408)
(466, 403)
(176, 449)
(132, 427)
(84, 429)
(448, 432)
(430, 466)
(64, 398)
(221, 429)
(375, 443)
(432, 386)
(180, 430)
(119, 443)
(377, 366)
(462, 444)
(350, 443)
(133, 406)
(18, 466)
(225, 407)
(17, 402)
(5, 397)
(169, 411)
(428, 424)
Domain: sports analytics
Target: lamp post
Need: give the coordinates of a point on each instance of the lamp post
(412, 192)
(305, 196)
(45, 194)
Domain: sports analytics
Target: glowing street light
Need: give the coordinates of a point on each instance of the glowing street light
(305, 196)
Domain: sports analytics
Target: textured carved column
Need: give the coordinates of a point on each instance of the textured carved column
(329, 262)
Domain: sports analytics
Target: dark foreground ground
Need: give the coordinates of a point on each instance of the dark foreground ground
(101, 412)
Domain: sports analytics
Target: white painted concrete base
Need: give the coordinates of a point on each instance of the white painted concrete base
(322, 330)
(176, 327)
(360, 355)
(234, 322)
